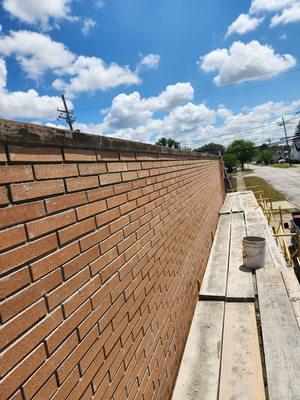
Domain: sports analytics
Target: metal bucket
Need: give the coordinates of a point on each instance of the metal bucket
(254, 252)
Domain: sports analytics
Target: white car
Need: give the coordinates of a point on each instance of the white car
(283, 160)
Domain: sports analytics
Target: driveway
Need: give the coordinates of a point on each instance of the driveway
(285, 180)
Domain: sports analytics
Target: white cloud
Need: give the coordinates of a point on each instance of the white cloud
(38, 53)
(99, 3)
(245, 62)
(35, 52)
(150, 61)
(88, 25)
(243, 24)
(41, 12)
(287, 16)
(3, 75)
(132, 111)
(270, 5)
(89, 74)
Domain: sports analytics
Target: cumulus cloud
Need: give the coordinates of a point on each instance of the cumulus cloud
(243, 24)
(3, 74)
(287, 16)
(88, 25)
(89, 74)
(150, 61)
(39, 12)
(36, 52)
(270, 5)
(245, 62)
(132, 111)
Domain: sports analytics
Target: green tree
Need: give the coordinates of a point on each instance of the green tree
(266, 156)
(168, 143)
(244, 150)
(230, 161)
(211, 148)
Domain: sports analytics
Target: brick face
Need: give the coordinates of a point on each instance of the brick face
(99, 268)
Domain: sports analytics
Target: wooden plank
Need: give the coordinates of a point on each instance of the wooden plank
(226, 208)
(281, 336)
(198, 376)
(241, 367)
(240, 281)
(236, 204)
(293, 289)
(215, 277)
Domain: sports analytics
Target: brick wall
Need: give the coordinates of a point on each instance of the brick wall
(103, 243)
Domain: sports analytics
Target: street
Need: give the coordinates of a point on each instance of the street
(285, 180)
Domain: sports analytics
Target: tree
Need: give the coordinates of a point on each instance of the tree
(230, 161)
(211, 148)
(266, 156)
(168, 143)
(244, 150)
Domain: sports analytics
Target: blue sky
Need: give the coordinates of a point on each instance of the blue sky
(139, 69)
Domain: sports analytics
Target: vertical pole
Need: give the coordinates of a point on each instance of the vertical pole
(69, 120)
(286, 139)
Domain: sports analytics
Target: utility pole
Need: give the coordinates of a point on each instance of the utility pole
(66, 114)
(286, 138)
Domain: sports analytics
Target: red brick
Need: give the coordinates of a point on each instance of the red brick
(81, 183)
(14, 304)
(3, 157)
(127, 207)
(54, 260)
(20, 255)
(48, 368)
(103, 261)
(127, 156)
(67, 327)
(116, 200)
(12, 236)
(94, 238)
(50, 224)
(90, 209)
(21, 213)
(80, 262)
(32, 190)
(119, 224)
(122, 187)
(76, 230)
(92, 169)
(131, 166)
(99, 194)
(81, 295)
(104, 291)
(112, 268)
(106, 217)
(23, 321)
(3, 196)
(23, 370)
(47, 390)
(129, 176)
(79, 155)
(68, 385)
(117, 167)
(19, 349)
(53, 171)
(104, 155)
(111, 242)
(13, 282)
(15, 173)
(108, 179)
(68, 365)
(34, 154)
(60, 203)
(63, 291)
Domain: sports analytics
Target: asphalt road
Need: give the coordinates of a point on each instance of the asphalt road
(285, 180)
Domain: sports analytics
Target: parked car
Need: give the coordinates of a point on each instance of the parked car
(283, 160)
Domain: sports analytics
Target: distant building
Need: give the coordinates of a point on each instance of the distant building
(295, 149)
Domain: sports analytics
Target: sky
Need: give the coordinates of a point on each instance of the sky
(196, 71)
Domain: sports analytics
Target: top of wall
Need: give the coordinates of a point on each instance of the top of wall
(24, 133)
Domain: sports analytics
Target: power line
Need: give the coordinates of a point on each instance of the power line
(66, 114)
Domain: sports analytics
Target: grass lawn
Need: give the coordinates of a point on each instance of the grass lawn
(269, 191)
(283, 165)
